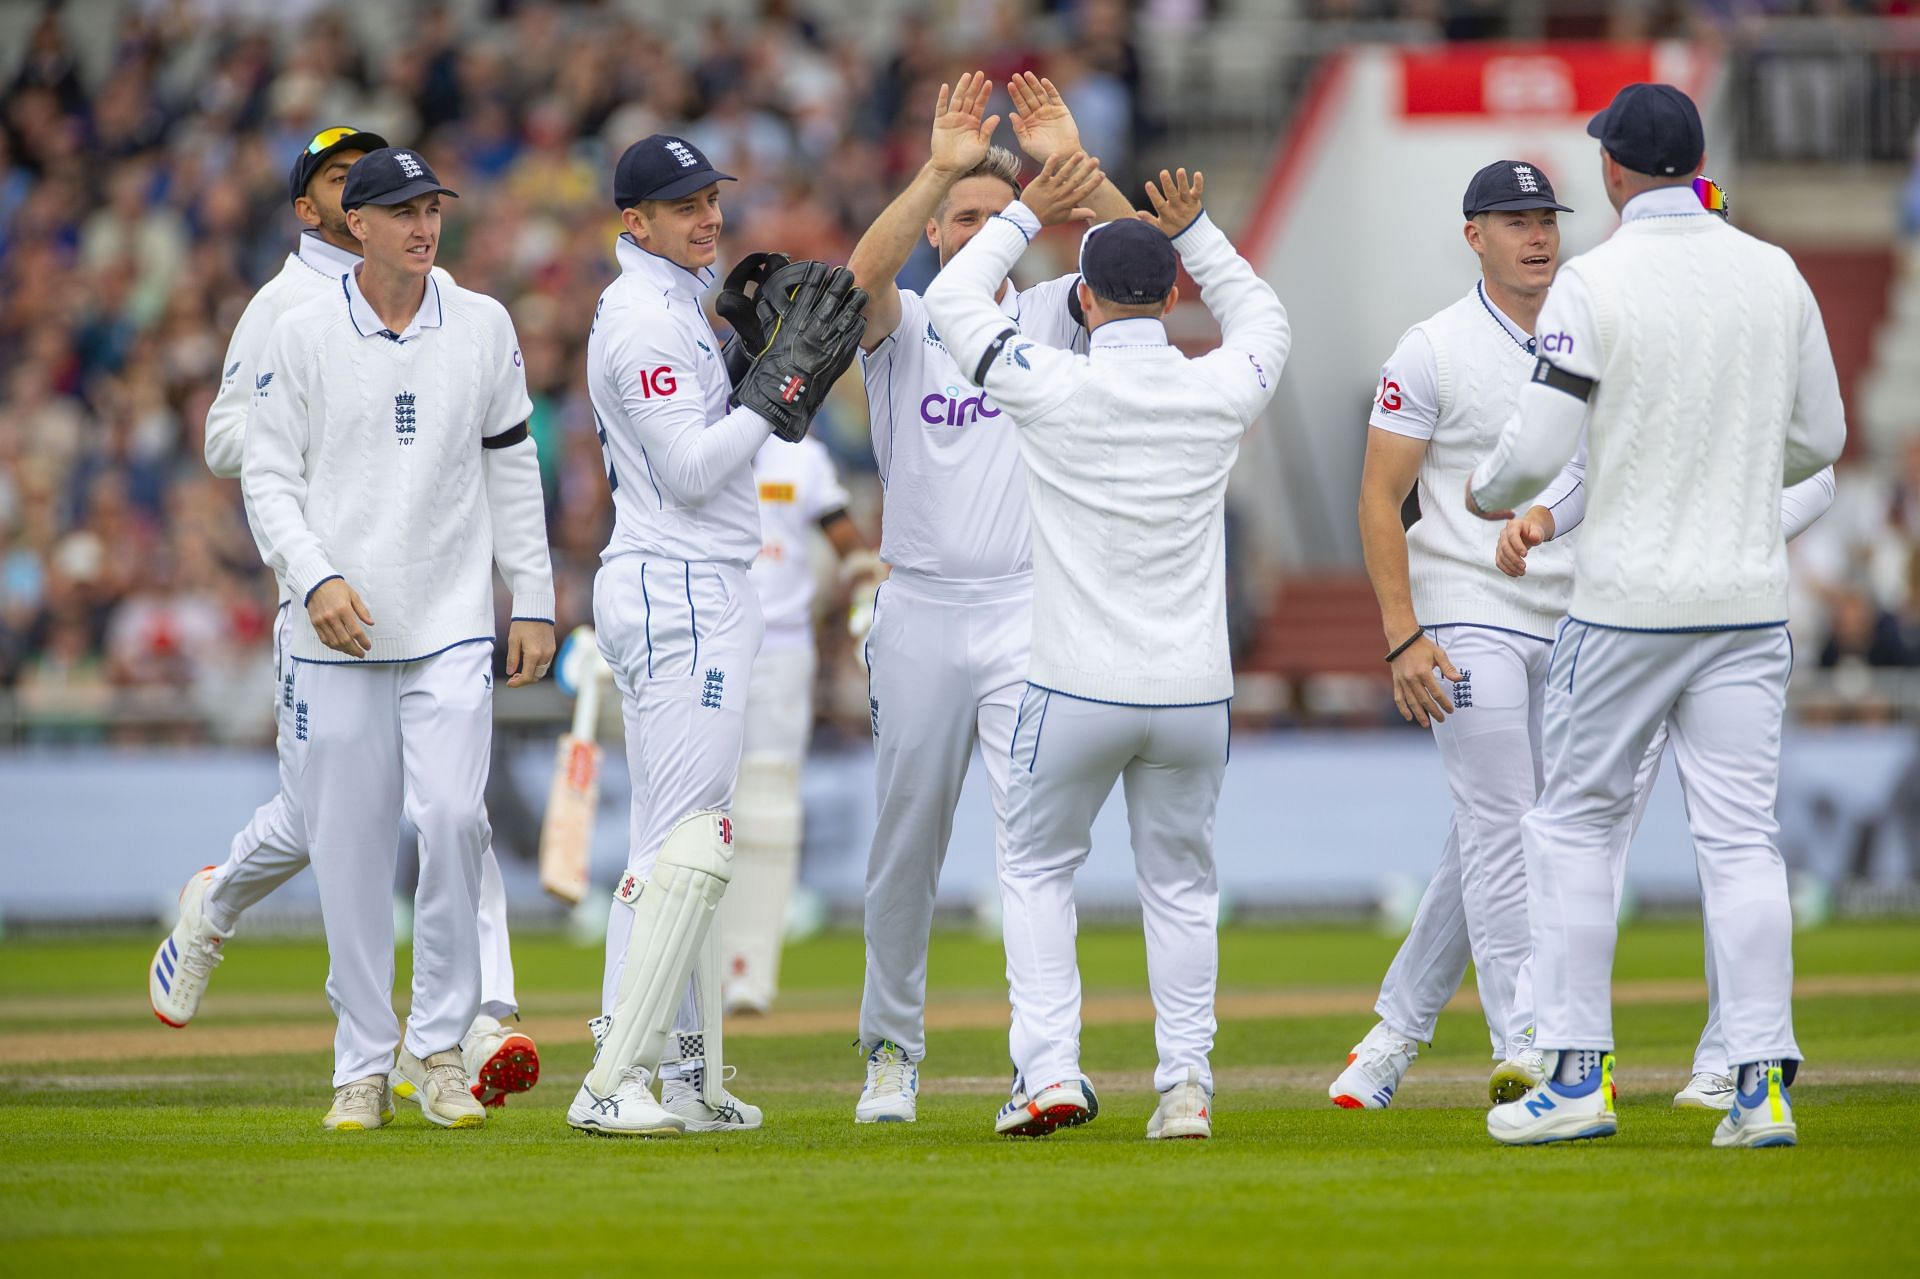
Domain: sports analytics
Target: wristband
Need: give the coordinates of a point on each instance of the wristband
(1406, 644)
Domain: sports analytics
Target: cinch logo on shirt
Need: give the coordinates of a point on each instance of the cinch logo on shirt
(955, 410)
(1557, 343)
(403, 417)
(771, 492)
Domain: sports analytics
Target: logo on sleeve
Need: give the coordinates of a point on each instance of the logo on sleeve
(231, 370)
(1557, 344)
(658, 382)
(1019, 354)
(404, 422)
(1259, 371)
(259, 383)
(1387, 397)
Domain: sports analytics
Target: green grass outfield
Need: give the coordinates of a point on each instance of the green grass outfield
(128, 1148)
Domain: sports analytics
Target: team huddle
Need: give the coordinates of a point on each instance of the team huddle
(1055, 476)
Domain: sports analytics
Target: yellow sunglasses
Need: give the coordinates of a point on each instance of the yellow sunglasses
(328, 137)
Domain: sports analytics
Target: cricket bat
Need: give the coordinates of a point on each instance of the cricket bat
(566, 833)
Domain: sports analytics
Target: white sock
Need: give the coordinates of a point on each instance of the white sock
(1576, 1064)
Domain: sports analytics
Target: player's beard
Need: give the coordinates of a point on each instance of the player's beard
(335, 229)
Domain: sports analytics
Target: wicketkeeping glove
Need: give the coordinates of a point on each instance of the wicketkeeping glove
(812, 316)
(736, 307)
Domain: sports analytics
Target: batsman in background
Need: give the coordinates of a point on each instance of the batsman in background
(948, 650)
(387, 470)
(1679, 603)
(677, 618)
(272, 848)
(1128, 448)
(799, 491)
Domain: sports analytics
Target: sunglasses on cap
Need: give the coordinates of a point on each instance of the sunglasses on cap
(327, 137)
(1713, 196)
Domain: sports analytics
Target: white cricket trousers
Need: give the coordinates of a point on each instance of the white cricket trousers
(1067, 754)
(680, 637)
(946, 667)
(1432, 961)
(272, 848)
(1722, 696)
(383, 741)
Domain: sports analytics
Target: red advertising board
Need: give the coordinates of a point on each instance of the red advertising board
(1519, 79)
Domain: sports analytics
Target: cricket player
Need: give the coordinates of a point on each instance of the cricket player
(678, 620)
(948, 650)
(272, 848)
(1679, 603)
(798, 491)
(1467, 645)
(1128, 448)
(387, 468)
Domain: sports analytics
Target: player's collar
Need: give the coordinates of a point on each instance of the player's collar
(1135, 330)
(1514, 331)
(670, 275)
(1662, 202)
(367, 322)
(329, 260)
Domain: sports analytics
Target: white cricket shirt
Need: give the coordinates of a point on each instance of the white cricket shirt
(956, 496)
(679, 460)
(380, 457)
(797, 488)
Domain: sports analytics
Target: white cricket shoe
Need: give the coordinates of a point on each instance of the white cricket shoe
(629, 1110)
(1374, 1070)
(1067, 1104)
(499, 1059)
(1554, 1111)
(683, 1098)
(441, 1087)
(892, 1094)
(1763, 1117)
(1185, 1110)
(360, 1105)
(1705, 1091)
(185, 961)
(1517, 1076)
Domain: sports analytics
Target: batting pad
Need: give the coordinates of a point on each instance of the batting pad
(672, 914)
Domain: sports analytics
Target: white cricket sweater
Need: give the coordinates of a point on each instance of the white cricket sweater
(1716, 387)
(312, 270)
(382, 458)
(1476, 361)
(1128, 448)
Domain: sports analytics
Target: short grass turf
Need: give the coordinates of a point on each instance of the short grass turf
(217, 1166)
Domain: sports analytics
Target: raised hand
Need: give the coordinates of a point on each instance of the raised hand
(1040, 118)
(1176, 201)
(1059, 193)
(960, 136)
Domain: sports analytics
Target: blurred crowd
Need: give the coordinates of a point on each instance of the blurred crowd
(142, 203)
(139, 210)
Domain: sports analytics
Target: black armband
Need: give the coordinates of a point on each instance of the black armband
(506, 439)
(1547, 373)
(991, 354)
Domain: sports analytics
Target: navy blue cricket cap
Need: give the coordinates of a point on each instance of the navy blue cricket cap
(1652, 128)
(391, 175)
(1128, 262)
(1509, 184)
(661, 167)
(323, 147)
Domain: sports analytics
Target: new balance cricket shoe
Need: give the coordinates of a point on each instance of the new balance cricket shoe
(1374, 1070)
(892, 1094)
(685, 1099)
(441, 1087)
(185, 961)
(360, 1105)
(1067, 1104)
(1517, 1076)
(499, 1059)
(1185, 1110)
(1705, 1091)
(1554, 1111)
(1763, 1117)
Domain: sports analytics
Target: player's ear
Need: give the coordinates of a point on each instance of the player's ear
(933, 233)
(357, 224)
(307, 211)
(1173, 297)
(1472, 232)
